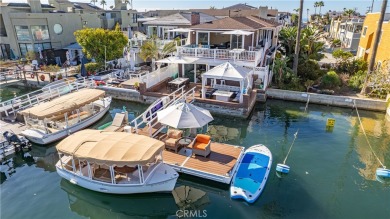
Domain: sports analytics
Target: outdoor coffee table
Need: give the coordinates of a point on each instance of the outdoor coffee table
(185, 141)
(222, 95)
(178, 82)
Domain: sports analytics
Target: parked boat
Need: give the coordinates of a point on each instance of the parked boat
(11, 143)
(252, 174)
(115, 162)
(51, 121)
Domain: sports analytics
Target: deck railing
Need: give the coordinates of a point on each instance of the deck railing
(222, 54)
(152, 78)
(150, 121)
(47, 93)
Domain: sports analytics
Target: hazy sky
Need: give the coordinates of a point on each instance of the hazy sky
(282, 5)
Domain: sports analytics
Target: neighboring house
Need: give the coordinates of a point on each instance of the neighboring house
(161, 26)
(351, 35)
(32, 26)
(262, 12)
(284, 18)
(368, 36)
(240, 6)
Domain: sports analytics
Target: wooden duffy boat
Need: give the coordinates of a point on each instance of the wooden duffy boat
(115, 162)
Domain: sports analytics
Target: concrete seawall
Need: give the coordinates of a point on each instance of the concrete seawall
(341, 101)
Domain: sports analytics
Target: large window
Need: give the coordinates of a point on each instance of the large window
(43, 46)
(40, 32)
(203, 38)
(22, 33)
(364, 31)
(25, 47)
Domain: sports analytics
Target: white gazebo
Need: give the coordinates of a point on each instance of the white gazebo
(228, 72)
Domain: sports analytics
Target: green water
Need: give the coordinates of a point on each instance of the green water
(332, 172)
(12, 91)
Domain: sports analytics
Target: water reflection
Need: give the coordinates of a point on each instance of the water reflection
(190, 198)
(99, 205)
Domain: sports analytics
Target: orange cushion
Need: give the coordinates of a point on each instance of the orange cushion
(202, 138)
(199, 146)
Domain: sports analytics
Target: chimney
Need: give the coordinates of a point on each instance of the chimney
(195, 18)
(263, 12)
(35, 6)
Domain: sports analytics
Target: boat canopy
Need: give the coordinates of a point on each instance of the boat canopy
(111, 148)
(63, 104)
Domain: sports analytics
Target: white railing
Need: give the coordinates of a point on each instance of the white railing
(150, 121)
(47, 93)
(152, 78)
(222, 54)
(160, 43)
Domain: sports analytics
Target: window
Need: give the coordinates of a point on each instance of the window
(203, 38)
(43, 46)
(40, 32)
(364, 31)
(22, 33)
(25, 47)
(5, 51)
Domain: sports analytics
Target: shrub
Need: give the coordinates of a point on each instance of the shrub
(310, 70)
(344, 78)
(30, 55)
(330, 80)
(357, 80)
(51, 68)
(93, 67)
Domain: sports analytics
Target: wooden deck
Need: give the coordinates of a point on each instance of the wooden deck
(219, 163)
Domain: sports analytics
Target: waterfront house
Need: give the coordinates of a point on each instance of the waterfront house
(368, 36)
(347, 30)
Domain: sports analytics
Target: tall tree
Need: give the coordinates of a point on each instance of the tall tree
(321, 4)
(101, 44)
(287, 37)
(297, 45)
(150, 50)
(315, 7)
(103, 3)
(349, 12)
(375, 45)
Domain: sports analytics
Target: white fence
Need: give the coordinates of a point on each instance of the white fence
(152, 78)
(47, 93)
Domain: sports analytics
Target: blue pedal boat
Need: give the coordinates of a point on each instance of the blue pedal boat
(252, 174)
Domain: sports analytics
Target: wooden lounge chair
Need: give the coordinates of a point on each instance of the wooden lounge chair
(201, 145)
(171, 139)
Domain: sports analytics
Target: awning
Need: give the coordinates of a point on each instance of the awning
(73, 46)
(227, 71)
(180, 30)
(64, 104)
(111, 148)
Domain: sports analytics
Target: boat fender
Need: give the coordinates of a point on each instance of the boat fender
(32, 75)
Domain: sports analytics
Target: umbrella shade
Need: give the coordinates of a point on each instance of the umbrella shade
(184, 115)
(189, 198)
(83, 70)
(178, 60)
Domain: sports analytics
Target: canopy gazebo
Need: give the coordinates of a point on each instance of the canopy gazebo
(228, 72)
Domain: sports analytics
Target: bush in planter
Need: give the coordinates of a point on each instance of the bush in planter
(51, 68)
(330, 80)
(357, 80)
(93, 67)
(59, 77)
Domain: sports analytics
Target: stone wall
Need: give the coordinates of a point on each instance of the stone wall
(341, 101)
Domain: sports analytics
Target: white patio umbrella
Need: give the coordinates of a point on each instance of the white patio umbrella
(184, 115)
(181, 30)
(238, 33)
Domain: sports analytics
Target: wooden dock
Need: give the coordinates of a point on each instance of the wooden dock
(218, 166)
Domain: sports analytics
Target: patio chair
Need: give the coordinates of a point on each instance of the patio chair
(201, 145)
(171, 139)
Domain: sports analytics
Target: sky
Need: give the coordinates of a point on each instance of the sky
(281, 5)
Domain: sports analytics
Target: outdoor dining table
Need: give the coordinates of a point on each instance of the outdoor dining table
(178, 82)
(222, 95)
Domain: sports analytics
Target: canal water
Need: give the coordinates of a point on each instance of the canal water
(11, 91)
(332, 172)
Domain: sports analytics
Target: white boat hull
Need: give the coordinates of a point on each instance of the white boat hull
(40, 137)
(243, 193)
(163, 180)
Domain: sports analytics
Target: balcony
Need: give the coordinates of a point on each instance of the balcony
(244, 57)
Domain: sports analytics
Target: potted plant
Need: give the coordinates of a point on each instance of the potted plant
(136, 85)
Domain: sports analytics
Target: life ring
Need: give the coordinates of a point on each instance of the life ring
(32, 75)
(42, 77)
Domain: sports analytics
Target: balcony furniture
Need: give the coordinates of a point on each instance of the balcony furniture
(201, 145)
(171, 139)
(222, 95)
(185, 142)
(178, 82)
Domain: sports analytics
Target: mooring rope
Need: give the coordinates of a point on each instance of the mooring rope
(289, 150)
(307, 103)
(364, 132)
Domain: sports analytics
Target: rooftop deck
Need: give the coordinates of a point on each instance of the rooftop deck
(218, 166)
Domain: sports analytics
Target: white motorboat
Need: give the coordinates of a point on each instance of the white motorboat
(115, 162)
(252, 174)
(12, 143)
(53, 120)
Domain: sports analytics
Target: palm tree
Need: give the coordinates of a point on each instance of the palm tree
(213, 7)
(103, 3)
(287, 37)
(296, 55)
(151, 51)
(94, 2)
(349, 12)
(315, 7)
(321, 4)
(375, 45)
